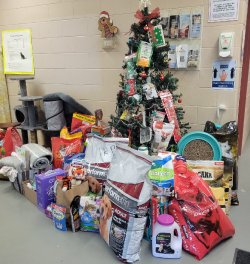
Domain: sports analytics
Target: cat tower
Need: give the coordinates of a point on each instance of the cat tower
(27, 113)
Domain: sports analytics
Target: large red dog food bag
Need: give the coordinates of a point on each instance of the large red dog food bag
(98, 155)
(124, 206)
(202, 222)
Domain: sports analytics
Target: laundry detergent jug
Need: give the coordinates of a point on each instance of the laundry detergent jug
(164, 242)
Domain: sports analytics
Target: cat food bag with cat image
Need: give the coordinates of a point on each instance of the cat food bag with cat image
(89, 213)
(163, 133)
(124, 206)
(212, 172)
(98, 155)
(227, 136)
(202, 222)
(162, 177)
(62, 147)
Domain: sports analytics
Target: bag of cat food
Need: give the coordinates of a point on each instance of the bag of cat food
(124, 206)
(62, 147)
(163, 134)
(162, 177)
(89, 213)
(202, 222)
(98, 155)
(227, 136)
(212, 172)
(158, 206)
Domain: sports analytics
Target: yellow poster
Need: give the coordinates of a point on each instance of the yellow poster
(17, 52)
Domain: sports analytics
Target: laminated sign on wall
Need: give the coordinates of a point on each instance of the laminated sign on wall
(223, 10)
(223, 77)
(17, 52)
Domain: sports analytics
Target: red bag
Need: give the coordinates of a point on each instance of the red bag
(202, 222)
(62, 147)
(12, 139)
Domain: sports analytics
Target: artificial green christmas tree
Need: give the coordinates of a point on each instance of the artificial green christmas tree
(132, 99)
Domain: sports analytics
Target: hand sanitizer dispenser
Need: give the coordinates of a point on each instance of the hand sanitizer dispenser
(226, 44)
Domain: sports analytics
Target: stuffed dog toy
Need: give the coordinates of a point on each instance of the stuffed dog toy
(106, 25)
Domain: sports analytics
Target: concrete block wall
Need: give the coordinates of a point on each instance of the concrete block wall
(68, 57)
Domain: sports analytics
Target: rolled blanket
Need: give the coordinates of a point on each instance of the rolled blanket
(40, 157)
(12, 162)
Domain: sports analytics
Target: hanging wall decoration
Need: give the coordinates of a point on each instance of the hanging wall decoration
(106, 25)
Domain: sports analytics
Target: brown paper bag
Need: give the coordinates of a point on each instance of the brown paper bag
(65, 198)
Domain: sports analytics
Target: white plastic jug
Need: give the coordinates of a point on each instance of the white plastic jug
(164, 243)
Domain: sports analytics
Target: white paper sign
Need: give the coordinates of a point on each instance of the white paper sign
(17, 52)
(223, 10)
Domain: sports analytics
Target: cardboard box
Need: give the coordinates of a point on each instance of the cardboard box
(45, 188)
(29, 193)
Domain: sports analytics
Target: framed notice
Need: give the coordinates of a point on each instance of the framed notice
(223, 10)
(17, 52)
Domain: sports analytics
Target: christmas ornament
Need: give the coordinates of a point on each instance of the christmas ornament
(106, 25)
(175, 108)
(143, 74)
(146, 28)
(144, 2)
(135, 98)
(120, 80)
(134, 37)
(179, 101)
(130, 87)
(162, 76)
(160, 39)
(167, 101)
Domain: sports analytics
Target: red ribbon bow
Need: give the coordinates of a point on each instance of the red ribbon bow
(154, 14)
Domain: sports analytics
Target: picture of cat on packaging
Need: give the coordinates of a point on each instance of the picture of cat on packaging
(163, 134)
(226, 150)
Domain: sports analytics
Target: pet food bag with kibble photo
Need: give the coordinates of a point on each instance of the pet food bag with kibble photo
(124, 206)
(202, 222)
(98, 155)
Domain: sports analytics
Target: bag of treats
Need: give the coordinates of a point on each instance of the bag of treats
(130, 61)
(74, 214)
(59, 219)
(62, 147)
(202, 222)
(144, 54)
(66, 135)
(227, 136)
(163, 134)
(162, 177)
(124, 206)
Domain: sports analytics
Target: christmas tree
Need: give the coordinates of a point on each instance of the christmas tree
(132, 99)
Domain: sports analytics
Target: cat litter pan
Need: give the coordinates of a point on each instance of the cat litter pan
(199, 146)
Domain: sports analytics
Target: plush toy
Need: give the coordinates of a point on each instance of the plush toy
(106, 25)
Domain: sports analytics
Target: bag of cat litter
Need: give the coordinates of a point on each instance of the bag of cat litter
(227, 136)
(124, 206)
(162, 177)
(163, 134)
(98, 155)
(158, 206)
(59, 219)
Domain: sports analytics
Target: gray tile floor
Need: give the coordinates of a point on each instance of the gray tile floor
(27, 236)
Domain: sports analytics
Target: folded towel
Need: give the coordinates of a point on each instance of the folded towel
(12, 162)
(40, 157)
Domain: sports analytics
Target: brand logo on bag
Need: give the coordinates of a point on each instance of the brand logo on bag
(205, 174)
(120, 199)
(185, 232)
(97, 172)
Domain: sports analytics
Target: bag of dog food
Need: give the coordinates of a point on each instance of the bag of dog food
(163, 134)
(227, 136)
(62, 147)
(124, 206)
(162, 177)
(202, 222)
(89, 213)
(98, 155)
(158, 206)
(212, 172)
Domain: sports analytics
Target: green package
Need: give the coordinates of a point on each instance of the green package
(144, 54)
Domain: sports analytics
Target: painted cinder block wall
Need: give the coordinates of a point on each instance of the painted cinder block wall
(68, 57)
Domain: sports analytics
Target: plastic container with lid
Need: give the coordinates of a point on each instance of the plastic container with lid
(164, 243)
(143, 149)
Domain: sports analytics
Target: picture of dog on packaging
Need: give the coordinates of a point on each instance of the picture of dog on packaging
(94, 185)
(105, 215)
(163, 144)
